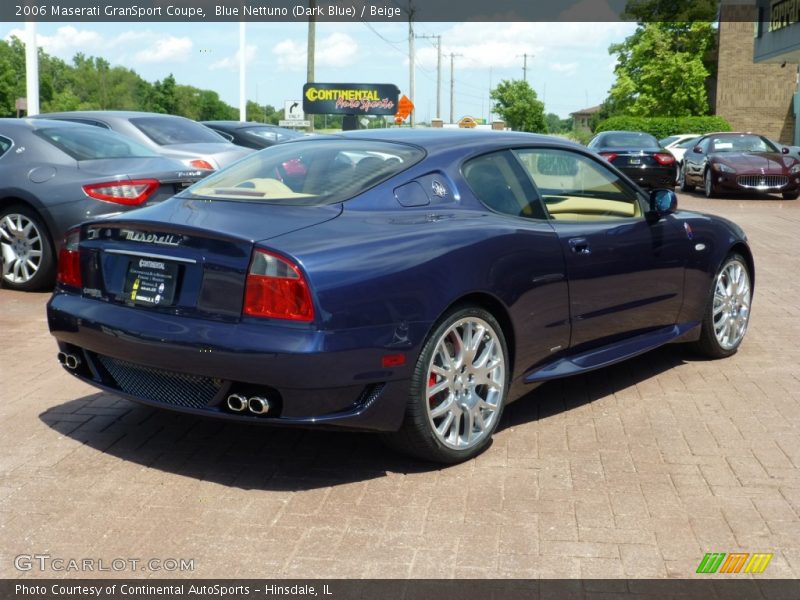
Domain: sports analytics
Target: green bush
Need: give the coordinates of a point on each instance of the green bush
(661, 127)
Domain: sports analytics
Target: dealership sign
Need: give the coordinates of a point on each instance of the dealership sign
(350, 98)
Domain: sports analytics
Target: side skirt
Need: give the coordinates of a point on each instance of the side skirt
(613, 353)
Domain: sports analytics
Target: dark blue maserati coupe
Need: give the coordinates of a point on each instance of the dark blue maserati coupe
(406, 282)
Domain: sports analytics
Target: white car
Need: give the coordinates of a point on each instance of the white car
(677, 146)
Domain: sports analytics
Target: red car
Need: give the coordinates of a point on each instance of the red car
(740, 162)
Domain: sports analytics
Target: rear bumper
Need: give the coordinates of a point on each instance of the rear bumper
(191, 365)
(652, 177)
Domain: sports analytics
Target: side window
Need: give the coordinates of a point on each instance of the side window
(575, 187)
(5, 145)
(500, 183)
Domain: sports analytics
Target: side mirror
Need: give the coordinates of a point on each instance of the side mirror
(784, 150)
(662, 202)
(697, 150)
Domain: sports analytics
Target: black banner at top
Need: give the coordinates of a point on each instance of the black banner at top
(365, 10)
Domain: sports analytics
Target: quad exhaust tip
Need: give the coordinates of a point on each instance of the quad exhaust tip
(237, 403)
(70, 361)
(257, 405)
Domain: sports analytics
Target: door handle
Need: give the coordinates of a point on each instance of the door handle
(580, 246)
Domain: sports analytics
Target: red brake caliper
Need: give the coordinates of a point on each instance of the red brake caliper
(431, 382)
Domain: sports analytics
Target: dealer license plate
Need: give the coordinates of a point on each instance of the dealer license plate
(151, 282)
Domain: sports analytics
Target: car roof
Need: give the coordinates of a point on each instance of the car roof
(109, 114)
(629, 131)
(30, 124)
(437, 140)
(239, 124)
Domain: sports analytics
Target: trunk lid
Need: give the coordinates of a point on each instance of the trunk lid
(183, 256)
(173, 176)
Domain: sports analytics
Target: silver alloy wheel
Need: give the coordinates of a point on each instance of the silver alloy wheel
(465, 383)
(708, 184)
(22, 249)
(731, 310)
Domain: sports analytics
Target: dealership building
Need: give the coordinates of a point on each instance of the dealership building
(757, 69)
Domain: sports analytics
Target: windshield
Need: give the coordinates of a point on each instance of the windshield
(313, 171)
(91, 143)
(166, 131)
(690, 143)
(741, 143)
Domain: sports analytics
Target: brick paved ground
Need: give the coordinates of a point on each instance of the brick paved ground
(636, 470)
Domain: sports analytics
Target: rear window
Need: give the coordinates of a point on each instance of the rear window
(92, 143)
(270, 134)
(628, 140)
(308, 172)
(690, 143)
(166, 131)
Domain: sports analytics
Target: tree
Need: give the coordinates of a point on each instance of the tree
(518, 106)
(91, 83)
(661, 72)
(556, 124)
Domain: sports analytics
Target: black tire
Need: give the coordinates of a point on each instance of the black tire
(33, 266)
(709, 344)
(417, 436)
(682, 184)
(708, 184)
(790, 195)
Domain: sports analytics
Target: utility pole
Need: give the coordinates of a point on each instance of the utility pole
(525, 64)
(438, 39)
(242, 70)
(452, 86)
(411, 59)
(311, 49)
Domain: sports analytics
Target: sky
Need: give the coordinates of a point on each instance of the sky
(568, 63)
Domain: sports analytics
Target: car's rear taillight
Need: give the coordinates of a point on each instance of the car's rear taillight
(609, 156)
(276, 288)
(131, 193)
(664, 159)
(199, 163)
(69, 260)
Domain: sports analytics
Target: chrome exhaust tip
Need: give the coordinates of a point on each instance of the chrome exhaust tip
(237, 403)
(62, 358)
(70, 361)
(258, 405)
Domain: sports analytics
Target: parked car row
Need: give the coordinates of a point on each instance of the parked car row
(59, 169)
(728, 162)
